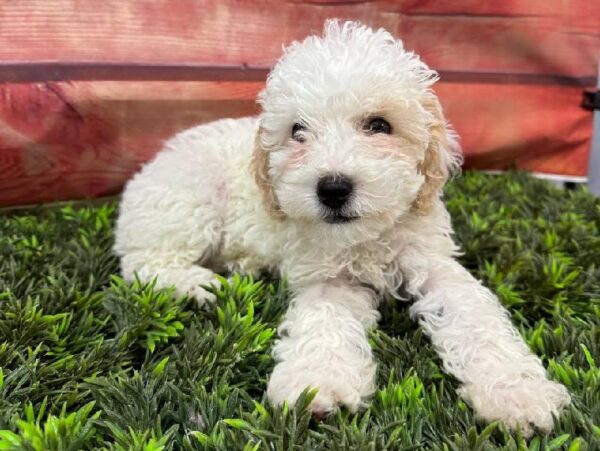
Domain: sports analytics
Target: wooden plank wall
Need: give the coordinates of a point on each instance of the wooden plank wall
(90, 90)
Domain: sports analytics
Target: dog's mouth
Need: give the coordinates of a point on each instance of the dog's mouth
(339, 218)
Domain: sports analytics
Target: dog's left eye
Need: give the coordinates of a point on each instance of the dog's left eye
(378, 125)
(297, 134)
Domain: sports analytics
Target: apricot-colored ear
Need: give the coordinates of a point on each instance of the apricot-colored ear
(260, 167)
(442, 158)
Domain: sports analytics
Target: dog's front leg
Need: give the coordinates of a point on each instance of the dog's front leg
(323, 344)
(501, 378)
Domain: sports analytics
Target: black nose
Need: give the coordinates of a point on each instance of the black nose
(334, 191)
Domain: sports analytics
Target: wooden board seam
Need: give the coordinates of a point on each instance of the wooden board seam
(82, 71)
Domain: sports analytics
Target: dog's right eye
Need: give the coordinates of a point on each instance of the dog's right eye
(297, 134)
(378, 125)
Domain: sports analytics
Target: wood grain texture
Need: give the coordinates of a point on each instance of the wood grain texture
(538, 36)
(534, 128)
(67, 141)
(511, 71)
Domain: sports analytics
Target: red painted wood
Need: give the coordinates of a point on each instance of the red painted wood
(512, 74)
(64, 141)
(68, 141)
(534, 128)
(535, 36)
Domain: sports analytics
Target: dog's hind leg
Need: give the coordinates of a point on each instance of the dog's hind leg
(167, 234)
(186, 277)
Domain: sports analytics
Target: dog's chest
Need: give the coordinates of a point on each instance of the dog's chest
(374, 264)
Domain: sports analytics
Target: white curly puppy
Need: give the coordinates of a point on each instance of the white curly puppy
(336, 185)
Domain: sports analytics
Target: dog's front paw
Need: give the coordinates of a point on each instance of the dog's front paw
(191, 282)
(202, 295)
(335, 386)
(527, 404)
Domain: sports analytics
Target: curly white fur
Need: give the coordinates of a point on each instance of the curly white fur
(240, 195)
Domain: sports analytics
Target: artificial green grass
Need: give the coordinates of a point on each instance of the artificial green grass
(89, 361)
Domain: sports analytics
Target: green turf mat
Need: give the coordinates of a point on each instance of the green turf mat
(88, 361)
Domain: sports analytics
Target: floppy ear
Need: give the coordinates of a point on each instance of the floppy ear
(442, 157)
(260, 167)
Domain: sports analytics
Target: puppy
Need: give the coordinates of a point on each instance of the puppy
(337, 186)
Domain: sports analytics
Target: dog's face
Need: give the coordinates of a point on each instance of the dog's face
(351, 137)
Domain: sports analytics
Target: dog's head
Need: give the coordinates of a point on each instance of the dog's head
(351, 135)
